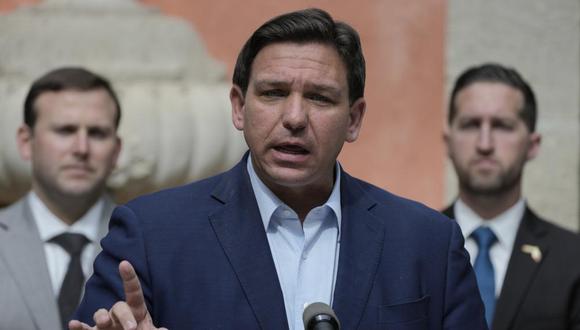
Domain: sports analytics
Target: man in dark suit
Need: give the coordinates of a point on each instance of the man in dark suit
(287, 226)
(528, 269)
(69, 135)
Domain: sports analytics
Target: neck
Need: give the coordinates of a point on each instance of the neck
(490, 205)
(69, 209)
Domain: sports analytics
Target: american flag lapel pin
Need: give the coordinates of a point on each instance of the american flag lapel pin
(534, 252)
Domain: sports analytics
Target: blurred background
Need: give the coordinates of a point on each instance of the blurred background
(171, 62)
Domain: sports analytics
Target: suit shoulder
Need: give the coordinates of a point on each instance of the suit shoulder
(176, 195)
(562, 237)
(12, 211)
(401, 207)
(402, 217)
(13, 206)
(173, 205)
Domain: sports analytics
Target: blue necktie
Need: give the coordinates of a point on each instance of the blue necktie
(484, 270)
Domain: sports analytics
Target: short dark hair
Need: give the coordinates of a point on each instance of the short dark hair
(67, 78)
(493, 72)
(304, 26)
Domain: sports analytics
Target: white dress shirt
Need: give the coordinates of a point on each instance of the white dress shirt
(49, 226)
(305, 255)
(505, 227)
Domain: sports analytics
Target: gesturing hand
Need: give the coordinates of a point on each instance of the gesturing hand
(130, 314)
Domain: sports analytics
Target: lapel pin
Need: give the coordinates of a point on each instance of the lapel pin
(534, 252)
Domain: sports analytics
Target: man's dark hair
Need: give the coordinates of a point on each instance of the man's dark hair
(492, 72)
(305, 26)
(62, 79)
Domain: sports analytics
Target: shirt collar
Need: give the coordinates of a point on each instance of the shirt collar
(504, 226)
(268, 202)
(50, 225)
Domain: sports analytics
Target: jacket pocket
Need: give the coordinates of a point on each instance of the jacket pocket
(405, 312)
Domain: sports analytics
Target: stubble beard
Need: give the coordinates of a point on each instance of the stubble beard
(493, 184)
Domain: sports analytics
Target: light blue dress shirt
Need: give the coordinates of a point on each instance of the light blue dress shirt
(305, 256)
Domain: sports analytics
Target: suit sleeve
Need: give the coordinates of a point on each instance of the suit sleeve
(574, 306)
(463, 306)
(125, 241)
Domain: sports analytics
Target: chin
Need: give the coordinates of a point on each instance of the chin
(79, 189)
(487, 188)
(290, 177)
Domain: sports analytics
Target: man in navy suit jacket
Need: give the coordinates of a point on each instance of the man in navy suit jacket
(532, 279)
(249, 248)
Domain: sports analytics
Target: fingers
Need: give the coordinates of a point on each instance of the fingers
(77, 325)
(119, 317)
(123, 316)
(133, 292)
(103, 320)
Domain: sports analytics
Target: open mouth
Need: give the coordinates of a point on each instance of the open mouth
(291, 149)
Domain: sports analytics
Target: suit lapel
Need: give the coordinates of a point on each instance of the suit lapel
(241, 234)
(521, 270)
(22, 250)
(449, 211)
(108, 208)
(361, 243)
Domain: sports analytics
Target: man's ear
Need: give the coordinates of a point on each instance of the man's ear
(357, 113)
(24, 141)
(446, 138)
(117, 152)
(534, 147)
(238, 107)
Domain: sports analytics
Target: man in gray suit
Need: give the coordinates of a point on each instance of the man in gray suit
(49, 238)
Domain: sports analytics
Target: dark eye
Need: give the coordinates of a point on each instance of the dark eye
(319, 98)
(98, 133)
(65, 130)
(273, 93)
(503, 126)
(469, 124)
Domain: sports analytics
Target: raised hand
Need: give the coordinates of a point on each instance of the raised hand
(130, 314)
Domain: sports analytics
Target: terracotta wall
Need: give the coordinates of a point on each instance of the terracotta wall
(400, 147)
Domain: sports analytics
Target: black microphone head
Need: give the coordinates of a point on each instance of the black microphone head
(318, 314)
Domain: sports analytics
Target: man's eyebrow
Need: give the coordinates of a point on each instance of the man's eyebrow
(58, 125)
(319, 87)
(103, 126)
(268, 83)
(495, 118)
(325, 88)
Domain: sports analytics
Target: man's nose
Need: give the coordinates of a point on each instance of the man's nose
(81, 143)
(295, 114)
(485, 140)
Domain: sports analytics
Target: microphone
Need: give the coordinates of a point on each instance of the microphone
(319, 316)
